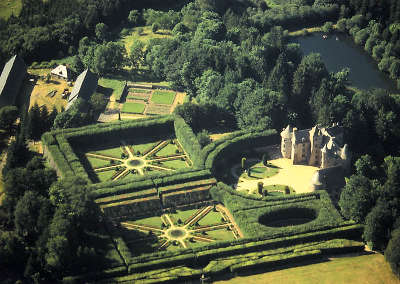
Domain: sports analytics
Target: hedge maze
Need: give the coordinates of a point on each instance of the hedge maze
(170, 217)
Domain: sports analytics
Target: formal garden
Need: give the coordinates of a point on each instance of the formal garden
(170, 216)
(136, 157)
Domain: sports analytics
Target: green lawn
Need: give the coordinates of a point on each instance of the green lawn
(97, 163)
(222, 235)
(116, 86)
(105, 176)
(370, 269)
(163, 97)
(133, 108)
(113, 152)
(9, 7)
(210, 219)
(259, 171)
(175, 164)
(143, 146)
(170, 149)
(184, 215)
(151, 221)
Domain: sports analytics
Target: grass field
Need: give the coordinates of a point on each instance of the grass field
(162, 97)
(144, 37)
(115, 86)
(133, 108)
(9, 7)
(370, 269)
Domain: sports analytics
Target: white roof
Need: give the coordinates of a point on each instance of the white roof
(60, 70)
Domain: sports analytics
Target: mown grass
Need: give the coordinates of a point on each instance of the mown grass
(133, 108)
(175, 164)
(10, 7)
(170, 149)
(162, 97)
(115, 85)
(351, 270)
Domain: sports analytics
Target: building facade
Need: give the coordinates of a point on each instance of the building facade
(319, 147)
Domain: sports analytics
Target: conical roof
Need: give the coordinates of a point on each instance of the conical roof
(287, 132)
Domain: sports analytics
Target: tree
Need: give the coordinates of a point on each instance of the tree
(73, 117)
(133, 17)
(203, 138)
(101, 32)
(31, 215)
(155, 27)
(358, 197)
(98, 102)
(136, 54)
(8, 115)
(377, 226)
(366, 167)
(392, 252)
(35, 122)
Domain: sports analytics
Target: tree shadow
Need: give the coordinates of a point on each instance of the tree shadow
(105, 91)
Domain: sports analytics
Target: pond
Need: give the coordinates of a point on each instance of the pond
(339, 51)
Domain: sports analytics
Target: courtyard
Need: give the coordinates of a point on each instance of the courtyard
(297, 177)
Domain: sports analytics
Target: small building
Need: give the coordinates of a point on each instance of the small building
(11, 80)
(62, 72)
(320, 147)
(84, 87)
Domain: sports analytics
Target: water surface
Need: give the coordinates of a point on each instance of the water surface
(339, 51)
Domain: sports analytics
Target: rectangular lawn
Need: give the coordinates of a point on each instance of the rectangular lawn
(133, 108)
(163, 97)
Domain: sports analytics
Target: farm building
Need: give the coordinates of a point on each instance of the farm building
(11, 79)
(84, 87)
(62, 72)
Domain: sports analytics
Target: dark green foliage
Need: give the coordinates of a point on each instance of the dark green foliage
(358, 197)
(219, 153)
(134, 17)
(392, 252)
(188, 140)
(32, 215)
(8, 115)
(75, 116)
(204, 138)
(377, 227)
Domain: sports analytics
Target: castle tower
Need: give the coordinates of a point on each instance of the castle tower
(286, 142)
(316, 143)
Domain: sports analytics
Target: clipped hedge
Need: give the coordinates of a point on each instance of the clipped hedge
(275, 260)
(246, 245)
(188, 140)
(218, 158)
(123, 250)
(106, 189)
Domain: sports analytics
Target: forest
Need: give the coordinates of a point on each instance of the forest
(236, 61)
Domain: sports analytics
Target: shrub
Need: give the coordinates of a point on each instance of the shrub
(392, 252)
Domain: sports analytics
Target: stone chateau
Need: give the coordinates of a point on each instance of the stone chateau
(320, 147)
